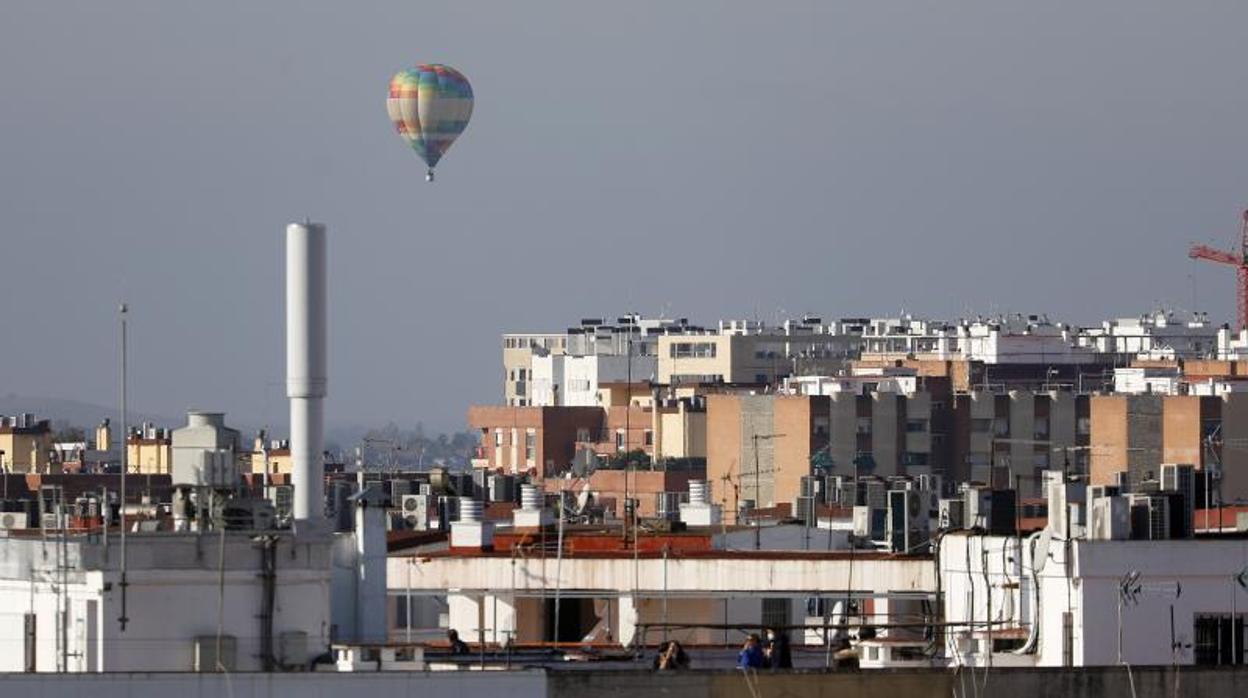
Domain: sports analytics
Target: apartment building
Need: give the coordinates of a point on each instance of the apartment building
(748, 354)
(518, 352)
(149, 450)
(25, 443)
(270, 456)
(540, 439)
(760, 446)
(1160, 335)
(1007, 438)
(1137, 433)
(631, 334)
(576, 381)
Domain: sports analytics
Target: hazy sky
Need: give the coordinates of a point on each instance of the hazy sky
(704, 159)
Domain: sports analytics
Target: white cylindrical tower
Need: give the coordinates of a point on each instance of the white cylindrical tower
(306, 374)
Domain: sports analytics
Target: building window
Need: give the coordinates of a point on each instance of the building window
(1041, 430)
(777, 613)
(498, 438)
(648, 437)
(1083, 426)
(864, 425)
(915, 426)
(981, 426)
(916, 458)
(582, 435)
(1219, 639)
(1001, 426)
(619, 439)
(530, 445)
(692, 350)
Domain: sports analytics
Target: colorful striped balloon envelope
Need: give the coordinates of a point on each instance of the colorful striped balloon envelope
(430, 106)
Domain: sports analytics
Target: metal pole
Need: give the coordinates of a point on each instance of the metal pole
(559, 567)
(757, 500)
(63, 593)
(125, 465)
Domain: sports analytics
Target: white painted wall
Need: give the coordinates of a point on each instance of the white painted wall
(475, 684)
(1083, 578)
(173, 593)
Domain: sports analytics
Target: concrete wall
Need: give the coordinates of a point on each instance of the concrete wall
(174, 588)
(723, 450)
(1180, 425)
(1016, 683)
(1109, 437)
(1234, 482)
(1112, 682)
(319, 685)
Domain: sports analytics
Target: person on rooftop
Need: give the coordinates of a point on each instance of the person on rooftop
(751, 654)
(458, 646)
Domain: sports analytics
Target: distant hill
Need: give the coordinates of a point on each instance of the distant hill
(79, 414)
(86, 415)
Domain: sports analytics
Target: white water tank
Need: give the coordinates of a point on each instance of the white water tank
(204, 451)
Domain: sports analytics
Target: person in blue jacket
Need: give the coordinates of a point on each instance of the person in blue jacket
(751, 655)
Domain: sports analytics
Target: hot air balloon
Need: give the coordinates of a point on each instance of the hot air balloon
(430, 105)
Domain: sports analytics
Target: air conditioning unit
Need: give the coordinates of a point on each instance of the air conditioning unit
(14, 521)
(283, 497)
(909, 527)
(873, 493)
(1150, 516)
(501, 488)
(1064, 499)
(804, 510)
(1109, 518)
(870, 522)
(398, 488)
(1098, 491)
(992, 510)
(952, 514)
(833, 490)
(811, 486)
(417, 509)
(929, 482)
(1181, 479)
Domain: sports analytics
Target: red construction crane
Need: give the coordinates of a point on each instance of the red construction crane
(1239, 260)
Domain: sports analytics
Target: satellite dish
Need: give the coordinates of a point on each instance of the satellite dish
(1040, 553)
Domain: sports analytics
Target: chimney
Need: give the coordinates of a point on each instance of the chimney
(531, 513)
(699, 511)
(471, 531)
(306, 365)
